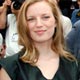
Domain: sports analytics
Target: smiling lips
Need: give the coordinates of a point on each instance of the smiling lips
(40, 32)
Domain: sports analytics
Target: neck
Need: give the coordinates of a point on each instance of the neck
(43, 46)
(45, 49)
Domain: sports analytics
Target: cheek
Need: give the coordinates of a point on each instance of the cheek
(51, 31)
(51, 23)
(51, 28)
(31, 30)
(31, 26)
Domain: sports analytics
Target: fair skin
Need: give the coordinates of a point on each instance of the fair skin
(56, 1)
(41, 24)
(4, 73)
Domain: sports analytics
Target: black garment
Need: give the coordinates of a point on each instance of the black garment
(18, 70)
(1, 1)
(3, 32)
(65, 7)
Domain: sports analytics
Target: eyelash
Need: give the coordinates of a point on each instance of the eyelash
(30, 19)
(45, 17)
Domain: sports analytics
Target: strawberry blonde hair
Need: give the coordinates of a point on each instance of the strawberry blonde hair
(31, 54)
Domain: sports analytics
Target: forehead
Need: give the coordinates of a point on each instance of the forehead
(39, 7)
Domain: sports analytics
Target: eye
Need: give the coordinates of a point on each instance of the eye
(30, 19)
(46, 17)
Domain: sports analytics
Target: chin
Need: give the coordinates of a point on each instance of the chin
(42, 40)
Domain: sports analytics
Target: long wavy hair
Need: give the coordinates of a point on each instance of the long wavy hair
(31, 54)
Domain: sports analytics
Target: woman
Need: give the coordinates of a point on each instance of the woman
(43, 56)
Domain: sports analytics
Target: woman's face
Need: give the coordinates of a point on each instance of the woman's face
(41, 22)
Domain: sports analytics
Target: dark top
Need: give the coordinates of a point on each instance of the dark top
(18, 70)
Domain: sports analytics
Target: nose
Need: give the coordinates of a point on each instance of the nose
(39, 22)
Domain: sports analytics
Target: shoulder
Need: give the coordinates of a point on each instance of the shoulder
(69, 63)
(9, 61)
(71, 68)
(14, 66)
(9, 64)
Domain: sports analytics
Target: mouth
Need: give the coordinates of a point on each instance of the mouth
(40, 32)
